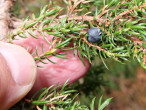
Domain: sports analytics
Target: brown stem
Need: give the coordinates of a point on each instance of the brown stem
(4, 18)
(87, 18)
(128, 11)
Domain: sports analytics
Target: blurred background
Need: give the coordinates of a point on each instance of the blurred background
(126, 83)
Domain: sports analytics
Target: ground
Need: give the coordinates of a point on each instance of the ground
(132, 93)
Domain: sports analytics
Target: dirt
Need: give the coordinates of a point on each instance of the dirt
(132, 93)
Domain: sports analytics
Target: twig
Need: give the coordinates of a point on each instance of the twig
(71, 8)
(128, 11)
(97, 47)
(103, 11)
(58, 97)
(38, 108)
(87, 18)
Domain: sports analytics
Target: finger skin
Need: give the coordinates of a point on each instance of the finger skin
(51, 74)
(31, 44)
(17, 74)
(70, 69)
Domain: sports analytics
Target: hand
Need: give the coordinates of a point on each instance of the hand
(18, 70)
(17, 74)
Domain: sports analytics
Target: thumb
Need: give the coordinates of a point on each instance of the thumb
(17, 74)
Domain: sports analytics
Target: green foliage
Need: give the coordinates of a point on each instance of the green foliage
(54, 98)
(123, 37)
(123, 30)
(105, 103)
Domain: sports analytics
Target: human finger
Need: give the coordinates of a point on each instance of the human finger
(17, 74)
(70, 69)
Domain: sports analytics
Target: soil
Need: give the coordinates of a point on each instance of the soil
(131, 95)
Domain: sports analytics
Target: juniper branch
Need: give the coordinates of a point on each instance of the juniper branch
(123, 30)
(53, 99)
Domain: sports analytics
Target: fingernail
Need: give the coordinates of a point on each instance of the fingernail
(20, 63)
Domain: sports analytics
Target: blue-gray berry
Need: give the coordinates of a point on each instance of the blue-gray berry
(94, 34)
